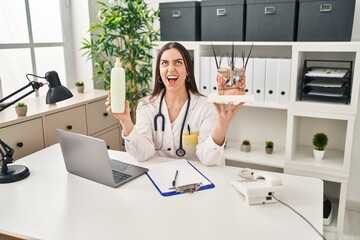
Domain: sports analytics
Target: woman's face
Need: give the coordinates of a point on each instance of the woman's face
(172, 69)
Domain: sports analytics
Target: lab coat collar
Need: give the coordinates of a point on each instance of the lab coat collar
(180, 118)
(194, 100)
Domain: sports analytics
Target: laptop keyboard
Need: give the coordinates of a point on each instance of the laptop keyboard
(119, 176)
(118, 169)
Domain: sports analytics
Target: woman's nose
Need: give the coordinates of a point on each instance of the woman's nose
(171, 67)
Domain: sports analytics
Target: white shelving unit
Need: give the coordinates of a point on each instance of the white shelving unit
(292, 126)
(335, 119)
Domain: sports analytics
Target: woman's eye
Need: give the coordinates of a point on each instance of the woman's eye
(163, 63)
(178, 62)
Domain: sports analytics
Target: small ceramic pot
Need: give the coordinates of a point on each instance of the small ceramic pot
(269, 150)
(245, 148)
(21, 111)
(319, 154)
(80, 89)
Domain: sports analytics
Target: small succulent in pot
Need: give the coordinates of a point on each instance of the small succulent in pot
(269, 147)
(246, 146)
(320, 141)
(79, 86)
(21, 109)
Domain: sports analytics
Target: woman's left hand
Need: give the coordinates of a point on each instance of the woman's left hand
(225, 113)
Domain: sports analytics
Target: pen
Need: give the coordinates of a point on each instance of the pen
(188, 128)
(174, 181)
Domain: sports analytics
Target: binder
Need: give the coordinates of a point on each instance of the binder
(162, 175)
(205, 75)
(284, 81)
(213, 75)
(271, 82)
(259, 80)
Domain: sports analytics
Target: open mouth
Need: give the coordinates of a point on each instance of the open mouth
(172, 79)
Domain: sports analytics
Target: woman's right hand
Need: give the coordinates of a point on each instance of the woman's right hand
(124, 118)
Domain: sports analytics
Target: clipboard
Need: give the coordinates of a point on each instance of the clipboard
(162, 175)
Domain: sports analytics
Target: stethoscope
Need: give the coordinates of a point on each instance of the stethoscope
(180, 151)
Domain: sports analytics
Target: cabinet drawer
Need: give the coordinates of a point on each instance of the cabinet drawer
(98, 118)
(25, 138)
(72, 120)
(112, 138)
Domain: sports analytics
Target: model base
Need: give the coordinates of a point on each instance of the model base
(233, 99)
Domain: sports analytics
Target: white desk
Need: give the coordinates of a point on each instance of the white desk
(53, 204)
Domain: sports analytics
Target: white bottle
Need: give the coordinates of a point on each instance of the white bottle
(117, 88)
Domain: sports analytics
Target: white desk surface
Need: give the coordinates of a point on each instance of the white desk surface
(53, 204)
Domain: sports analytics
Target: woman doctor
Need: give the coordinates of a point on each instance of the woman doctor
(176, 120)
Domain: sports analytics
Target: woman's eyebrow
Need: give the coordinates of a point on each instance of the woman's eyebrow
(178, 59)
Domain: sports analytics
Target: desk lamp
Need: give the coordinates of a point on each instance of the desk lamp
(56, 93)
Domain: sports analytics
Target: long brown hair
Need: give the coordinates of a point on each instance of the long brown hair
(190, 84)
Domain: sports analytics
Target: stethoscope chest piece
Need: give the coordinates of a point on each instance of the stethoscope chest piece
(180, 152)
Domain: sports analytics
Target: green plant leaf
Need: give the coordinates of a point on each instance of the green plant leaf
(124, 31)
(320, 141)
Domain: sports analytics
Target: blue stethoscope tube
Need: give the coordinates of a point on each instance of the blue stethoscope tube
(180, 152)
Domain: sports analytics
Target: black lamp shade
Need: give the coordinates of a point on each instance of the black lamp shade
(56, 92)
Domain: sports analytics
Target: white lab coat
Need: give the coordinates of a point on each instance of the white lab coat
(143, 142)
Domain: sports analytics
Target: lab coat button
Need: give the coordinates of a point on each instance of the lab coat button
(169, 149)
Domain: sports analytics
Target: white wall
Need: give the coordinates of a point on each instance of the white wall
(80, 25)
(81, 20)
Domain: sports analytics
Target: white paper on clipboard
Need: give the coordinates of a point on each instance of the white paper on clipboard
(162, 175)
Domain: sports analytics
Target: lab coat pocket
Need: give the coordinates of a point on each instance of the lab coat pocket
(191, 139)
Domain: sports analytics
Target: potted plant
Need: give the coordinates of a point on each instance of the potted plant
(320, 141)
(21, 109)
(79, 86)
(245, 146)
(269, 147)
(125, 30)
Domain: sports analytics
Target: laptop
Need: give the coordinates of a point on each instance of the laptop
(88, 157)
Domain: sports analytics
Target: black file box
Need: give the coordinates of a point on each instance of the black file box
(180, 21)
(222, 20)
(271, 20)
(325, 20)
